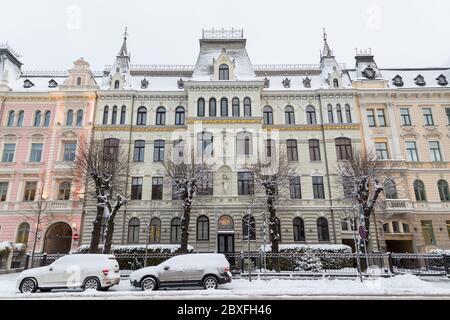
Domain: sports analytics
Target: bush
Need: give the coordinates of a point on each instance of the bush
(5, 248)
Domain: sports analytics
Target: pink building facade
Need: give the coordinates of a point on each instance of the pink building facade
(43, 117)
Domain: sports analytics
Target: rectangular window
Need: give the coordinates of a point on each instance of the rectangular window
(428, 117)
(205, 185)
(344, 225)
(136, 188)
(314, 150)
(158, 154)
(411, 151)
(178, 150)
(386, 228)
(405, 117)
(395, 227)
(157, 188)
(139, 151)
(292, 153)
(295, 187)
(381, 150)
(371, 117)
(30, 191)
(245, 183)
(270, 148)
(318, 189)
(405, 228)
(428, 233)
(381, 118)
(36, 152)
(8, 152)
(435, 151)
(3, 191)
(447, 113)
(70, 150)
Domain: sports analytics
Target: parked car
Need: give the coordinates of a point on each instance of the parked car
(199, 269)
(86, 271)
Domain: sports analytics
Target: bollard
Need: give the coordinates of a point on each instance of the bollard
(27, 262)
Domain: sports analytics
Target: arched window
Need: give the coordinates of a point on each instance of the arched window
(419, 190)
(212, 107)
(11, 116)
(202, 228)
(200, 107)
(348, 113)
(37, 118)
(78, 81)
(268, 115)
(322, 229)
(22, 233)
(299, 229)
(248, 228)
(224, 72)
(20, 118)
(114, 115)
(155, 231)
(80, 118)
(444, 193)
(161, 116)
(339, 114)
(64, 190)
(179, 116)
(69, 117)
(133, 230)
(330, 113)
(311, 115)
(47, 117)
(336, 83)
(247, 107)
(235, 107)
(289, 115)
(390, 190)
(141, 116)
(116, 84)
(123, 113)
(344, 149)
(175, 230)
(105, 115)
(244, 143)
(224, 107)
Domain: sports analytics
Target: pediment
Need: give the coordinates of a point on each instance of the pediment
(69, 134)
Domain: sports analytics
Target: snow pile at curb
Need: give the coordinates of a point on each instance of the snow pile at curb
(326, 247)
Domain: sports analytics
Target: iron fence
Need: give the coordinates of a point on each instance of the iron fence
(287, 263)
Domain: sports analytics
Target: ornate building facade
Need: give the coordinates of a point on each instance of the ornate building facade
(232, 113)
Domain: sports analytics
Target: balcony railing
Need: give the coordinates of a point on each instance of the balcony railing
(398, 204)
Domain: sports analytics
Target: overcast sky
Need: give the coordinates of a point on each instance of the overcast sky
(51, 34)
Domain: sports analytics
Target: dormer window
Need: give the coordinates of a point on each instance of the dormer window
(307, 82)
(224, 72)
(79, 81)
(335, 83)
(52, 84)
(266, 82)
(144, 83)
(116, 84)
(398, 81)
(286, 82)
(442, 80)
(419, 80)
(28, 84)
(180, 83)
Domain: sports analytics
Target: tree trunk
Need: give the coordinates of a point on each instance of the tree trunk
(274, 231)
(108, 238)
(185, 229)
(95, 238)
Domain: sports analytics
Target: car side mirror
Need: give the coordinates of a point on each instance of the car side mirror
(166, 268)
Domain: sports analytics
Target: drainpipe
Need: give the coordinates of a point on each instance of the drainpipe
(322, 128)
(128, 168)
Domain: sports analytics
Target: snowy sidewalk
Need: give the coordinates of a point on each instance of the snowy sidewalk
(404, 286)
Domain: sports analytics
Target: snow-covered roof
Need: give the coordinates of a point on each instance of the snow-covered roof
(408, 75)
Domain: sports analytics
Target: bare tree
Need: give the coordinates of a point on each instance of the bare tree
(271, 176)
(364, 178)
(186, 174)
(101, 168)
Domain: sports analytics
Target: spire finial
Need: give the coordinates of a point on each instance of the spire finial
(125, 34)
(324, 35)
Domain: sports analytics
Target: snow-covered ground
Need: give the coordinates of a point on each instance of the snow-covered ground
(398, 286)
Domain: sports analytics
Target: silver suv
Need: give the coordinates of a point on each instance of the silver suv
(196, 269)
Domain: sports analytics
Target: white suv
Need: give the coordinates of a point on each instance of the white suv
(87, 271)
(199, 269)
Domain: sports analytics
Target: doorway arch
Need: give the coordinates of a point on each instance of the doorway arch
(58, 238)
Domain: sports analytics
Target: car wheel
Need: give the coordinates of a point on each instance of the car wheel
(148, 284)
(210, 283)
(91, 283)
(28, 285)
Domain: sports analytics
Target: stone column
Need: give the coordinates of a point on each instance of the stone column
(394, 132)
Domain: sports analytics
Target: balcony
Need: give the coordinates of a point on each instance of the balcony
(399, 205)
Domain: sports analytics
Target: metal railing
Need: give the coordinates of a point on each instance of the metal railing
(289, 263)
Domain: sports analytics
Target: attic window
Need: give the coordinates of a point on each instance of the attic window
(116, 84)
(398, 81)
(419, 80)
(307, 82)
(144, 83)
(180, 83)
(52, 84)
(266, 82)
(336, 83)
(442, 80)
(286, 82)
(224, 72)
(28, 84)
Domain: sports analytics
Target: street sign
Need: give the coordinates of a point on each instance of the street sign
(76, 237)
(362, 232)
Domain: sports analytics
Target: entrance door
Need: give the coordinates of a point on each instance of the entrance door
(58, 238)
(226, 243)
